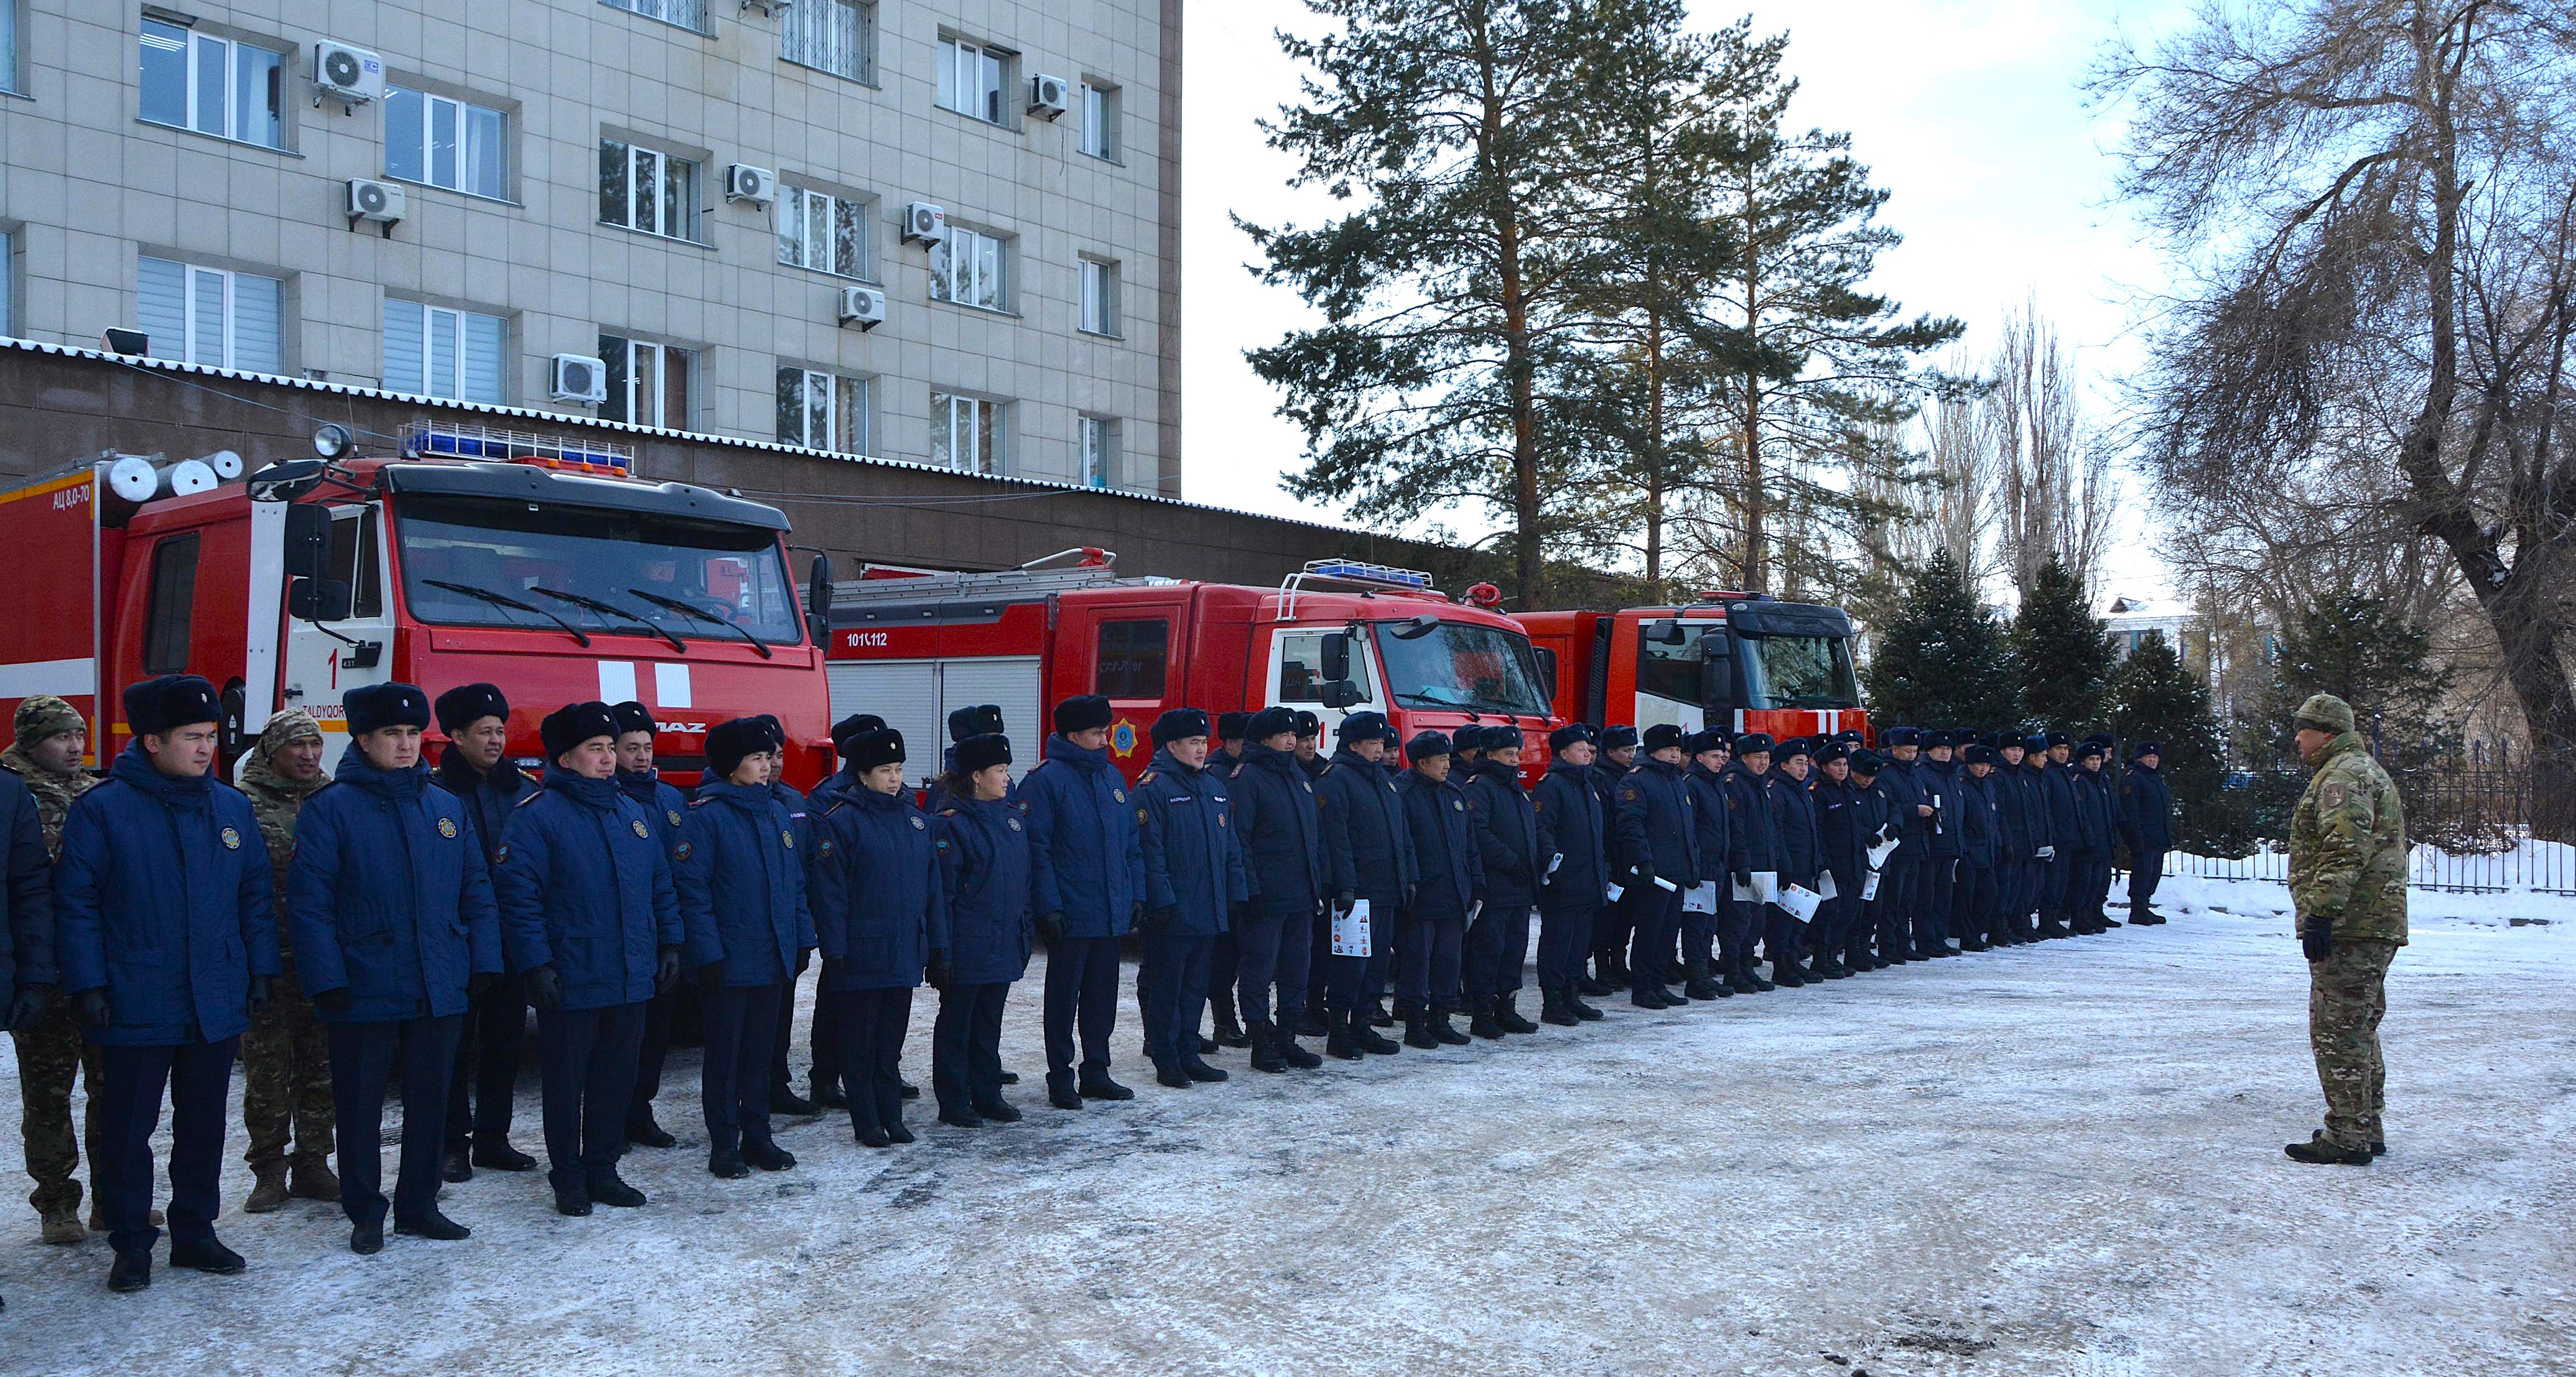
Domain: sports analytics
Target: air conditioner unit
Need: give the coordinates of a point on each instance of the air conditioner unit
(758, 185)
(577, 378)
(383, 202)
(924, 223)
(353, 76)
(863, 307)
(118, 339)
(1049, 97)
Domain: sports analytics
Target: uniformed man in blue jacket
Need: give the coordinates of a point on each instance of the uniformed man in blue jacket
(1842, 839)
(1090, 881)
(2055, 753)
(1573, 837)
(1293, 878)
(395, 932)
(1901, 875)
(1752, 846)
(1715, 935)
(2146, 824)
(1617, 756)
(477, 769)
(1452, 888)
(162, 860)
(668, 810)
(1507, 832)
(1223, 959)
(2097, 813)
(589, 912)
(1193, 880)
(1658, 859)
(1364, 820)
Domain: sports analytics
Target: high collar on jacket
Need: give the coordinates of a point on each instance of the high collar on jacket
(399, 785)
(601, 794)
(751, 798)
(135, 768)
(460, 777)
(1081, 758)
(1262, 757)
(1165, 760)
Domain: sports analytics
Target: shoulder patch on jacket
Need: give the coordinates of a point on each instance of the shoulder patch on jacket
(1145, 779)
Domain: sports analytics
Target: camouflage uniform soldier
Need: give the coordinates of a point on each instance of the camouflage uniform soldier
(286, 1055)
(51, 738)
(2348, 880)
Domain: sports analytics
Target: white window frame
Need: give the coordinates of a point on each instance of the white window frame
(681, 14)
(795, 245)
(1101, 116)
(964, 68)
(193, 281)
(974, 428)
(461, 116)
(804, 38)
(971, 268)
(643, 160)
(847, 412)
(460, 330)
(647, 367)
(1099, 297)
(1096, 451)
(9, 46)
(192, 45)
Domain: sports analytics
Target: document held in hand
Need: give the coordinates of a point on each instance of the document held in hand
(1666, 885)
(1766, 887)
(1878, 853)
(1700, 898)
(1800, 903)
(1825, 885)
(1351, 930)
(1869, 887)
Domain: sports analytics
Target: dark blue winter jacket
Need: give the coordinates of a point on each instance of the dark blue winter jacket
(488, 796)
(584, 887)
(1714, 819)
(1793, 823)
(2057, 792)
(879, 902)
(1364, 819)
(1090, 860)
(27, 928)
(2146, 810)
(1444, 841)
(1657, 826)
(2015, 802)
(389, 895)
(2094, 807)
(1908, 787)
(1192, 865)
(984, 868)
(1281, 830)
(1752, 827)
(163, 898)
(2035, 808)
(1573, 837)
(1941, 784)
(1843, 825)
(1506, 834)
(1979, 821)
(744, 867)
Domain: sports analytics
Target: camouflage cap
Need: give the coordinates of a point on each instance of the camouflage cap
(2326, 713)
(294, 724)
(42, 716)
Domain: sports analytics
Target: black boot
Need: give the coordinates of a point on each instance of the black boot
(1441, 1028)
(1169, 1075)
(1593, 987)
(1061, 1091)
(726, 1164)
(456, 1166)
(1098, 1086)
(1371, 1041)
(1296, 1056)
(643, 1132)
(1582, 1012)
(768, 1156)
(1553, 1008)
(1197, 1069)
(131, 1271)
(1480, 1021)
(1753, 976)
(1378, 1017)
(1311, 1023)
(1700, 985)
(828, 1095)
(1229, 1031)
(1507, 1013)
(785, 1103)
(1265, 1047)
(433, 1225)
(1417, 1030)
(208, 1256)
(367, 1239)
(1784, 973)
(1649, 997)
(501, 1156)
(1337, 1036)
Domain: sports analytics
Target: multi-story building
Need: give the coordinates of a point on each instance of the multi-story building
(944, 233)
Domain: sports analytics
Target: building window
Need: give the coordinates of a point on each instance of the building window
(430, 351)
(821, 231)
(445, 143)
(648, 384)
(1099, 296)
(1099, 444)
(210, 316)
(1134, 659)
(836, 36)
(688, 14)
(975, 79)
(648, 190)
(1100, 121)
(968, 433)
(967, 268)
(822, 411)
(213, 85)
(172, 607)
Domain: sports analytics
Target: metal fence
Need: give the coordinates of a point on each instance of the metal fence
(2469, 816)
(2541, 868)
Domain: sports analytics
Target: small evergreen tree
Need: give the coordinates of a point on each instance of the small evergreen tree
(2066, 658)
(2154, 698)
(1943, 662)
(2354, 647)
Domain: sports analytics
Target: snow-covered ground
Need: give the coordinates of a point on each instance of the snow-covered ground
(2063, 1159)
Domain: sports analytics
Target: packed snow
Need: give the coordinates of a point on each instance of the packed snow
(2059, 1159)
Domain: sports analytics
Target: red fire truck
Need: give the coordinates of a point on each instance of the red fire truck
(1337, 637)
(536, 564)
(1747, 662)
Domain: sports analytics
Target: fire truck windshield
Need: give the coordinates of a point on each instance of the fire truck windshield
(1460, 665)
(735, 576)
(1798, 672)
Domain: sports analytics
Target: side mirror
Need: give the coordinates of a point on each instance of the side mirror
(818, 589)
(318, 600)
(1547, 670)
(308, 540)
(1662, 632)
(1340, 694)
(1337, 658)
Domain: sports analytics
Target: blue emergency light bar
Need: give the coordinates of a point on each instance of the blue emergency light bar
(1359, 571)
(448, 440)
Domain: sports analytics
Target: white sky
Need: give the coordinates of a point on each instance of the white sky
(1966, 110)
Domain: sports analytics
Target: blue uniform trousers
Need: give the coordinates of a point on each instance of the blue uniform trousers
(1171, 990)
(871, 1025)
(1081, 991)
(1932, 902)
(1427, 976)
(966, 1047)
(1273, 951)
(199, 1076)
(1654, 924)
(588, 1058)
(364, 1057)
(733, 1093)
(486, 1078)
(1564, 939)
(1497, 948)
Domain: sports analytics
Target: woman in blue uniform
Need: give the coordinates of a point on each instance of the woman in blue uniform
(983, 845)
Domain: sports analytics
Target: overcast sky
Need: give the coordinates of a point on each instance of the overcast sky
(1966, 110)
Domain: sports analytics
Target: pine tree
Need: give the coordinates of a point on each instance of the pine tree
(2065, 651)
(2154, 698)
(1943, 662)
(2358, 649)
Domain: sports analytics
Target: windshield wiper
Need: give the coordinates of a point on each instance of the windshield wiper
(612, 609)
(497, 600)
(705, 616)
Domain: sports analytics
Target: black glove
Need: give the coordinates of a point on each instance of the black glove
(1743, 880)
(1051, 927)
(1342, 902)
(666, 970)
(1478, 897)
(804, 958)
(711, 976)
(2317, 938)
(937, 970)
(1158, 919)
(332, 1002)
(1409, 892)
(32, 1003)
(545, 988)
(89, 1008)
(258, 993)
(481, 983)
(1645, 877)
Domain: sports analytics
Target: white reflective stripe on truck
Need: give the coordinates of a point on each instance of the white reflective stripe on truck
(260, 659)
(62, 678)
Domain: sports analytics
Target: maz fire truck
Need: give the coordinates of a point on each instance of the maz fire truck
(1335, 638)
(535, 564)
(1743, 661)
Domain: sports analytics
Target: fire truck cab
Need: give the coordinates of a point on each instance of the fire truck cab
(1335, 638)
(1742, 661)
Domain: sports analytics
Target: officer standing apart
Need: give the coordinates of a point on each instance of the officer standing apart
(46, 758)
(666, 809)
(1364, 820)
(2348, 881)
(173, 861)
(1193, 879)
(286, 1054)
(1090, 885)
(2146, 824)
(588, 911)
(393, 917)
(477, 769)
(1498, 941)
(1573, 839)
(1453, 884)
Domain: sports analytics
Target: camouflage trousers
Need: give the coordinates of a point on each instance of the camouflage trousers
(51, 1054)
(286, 1078)
(2347, 994)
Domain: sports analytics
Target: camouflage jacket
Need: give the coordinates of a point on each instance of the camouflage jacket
(2348, 846)
(54, 793)
(277, 801)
